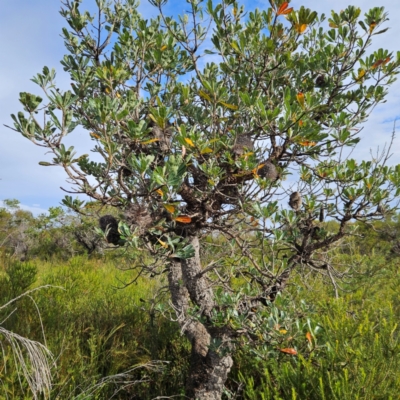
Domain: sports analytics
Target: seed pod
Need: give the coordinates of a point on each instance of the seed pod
(315, 232)
(320, 81)
(108, 222)
(139, 216)
(276, 153)
(321, 214)
(268, 170)
(162, 135)
(295, 201)
(243, 143)
(380, 209)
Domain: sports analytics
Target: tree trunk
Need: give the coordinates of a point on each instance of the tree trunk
(207, 375)
(211, 358)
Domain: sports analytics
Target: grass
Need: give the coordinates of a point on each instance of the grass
(354, 348)
(105, 339)
(95, 330)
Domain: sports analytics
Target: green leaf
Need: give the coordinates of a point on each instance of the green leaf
(204, 95)
(184, 253)
(230, 106)
(30, 101)
(235, 46)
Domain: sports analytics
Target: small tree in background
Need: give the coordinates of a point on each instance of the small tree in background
(54, 234)
(220, 130)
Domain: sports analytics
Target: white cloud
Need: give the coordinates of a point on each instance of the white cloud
(35, 209)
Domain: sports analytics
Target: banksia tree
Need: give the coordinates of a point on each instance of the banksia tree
(188, 149)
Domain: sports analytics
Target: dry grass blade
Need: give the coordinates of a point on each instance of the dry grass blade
(33, 359)
(125, 379)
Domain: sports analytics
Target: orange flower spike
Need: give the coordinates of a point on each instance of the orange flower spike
(308, 337)
(284, 10)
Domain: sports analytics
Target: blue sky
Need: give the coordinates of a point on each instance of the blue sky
(30, 39)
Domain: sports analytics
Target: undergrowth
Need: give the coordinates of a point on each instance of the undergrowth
(346, 348)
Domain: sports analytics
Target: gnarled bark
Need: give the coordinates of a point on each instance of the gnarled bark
(209, 365)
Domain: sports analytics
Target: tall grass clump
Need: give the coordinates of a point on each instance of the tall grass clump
(107, 339)
(32, 360)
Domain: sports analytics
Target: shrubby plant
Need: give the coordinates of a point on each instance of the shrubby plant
(55, 234)
(222, 135)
